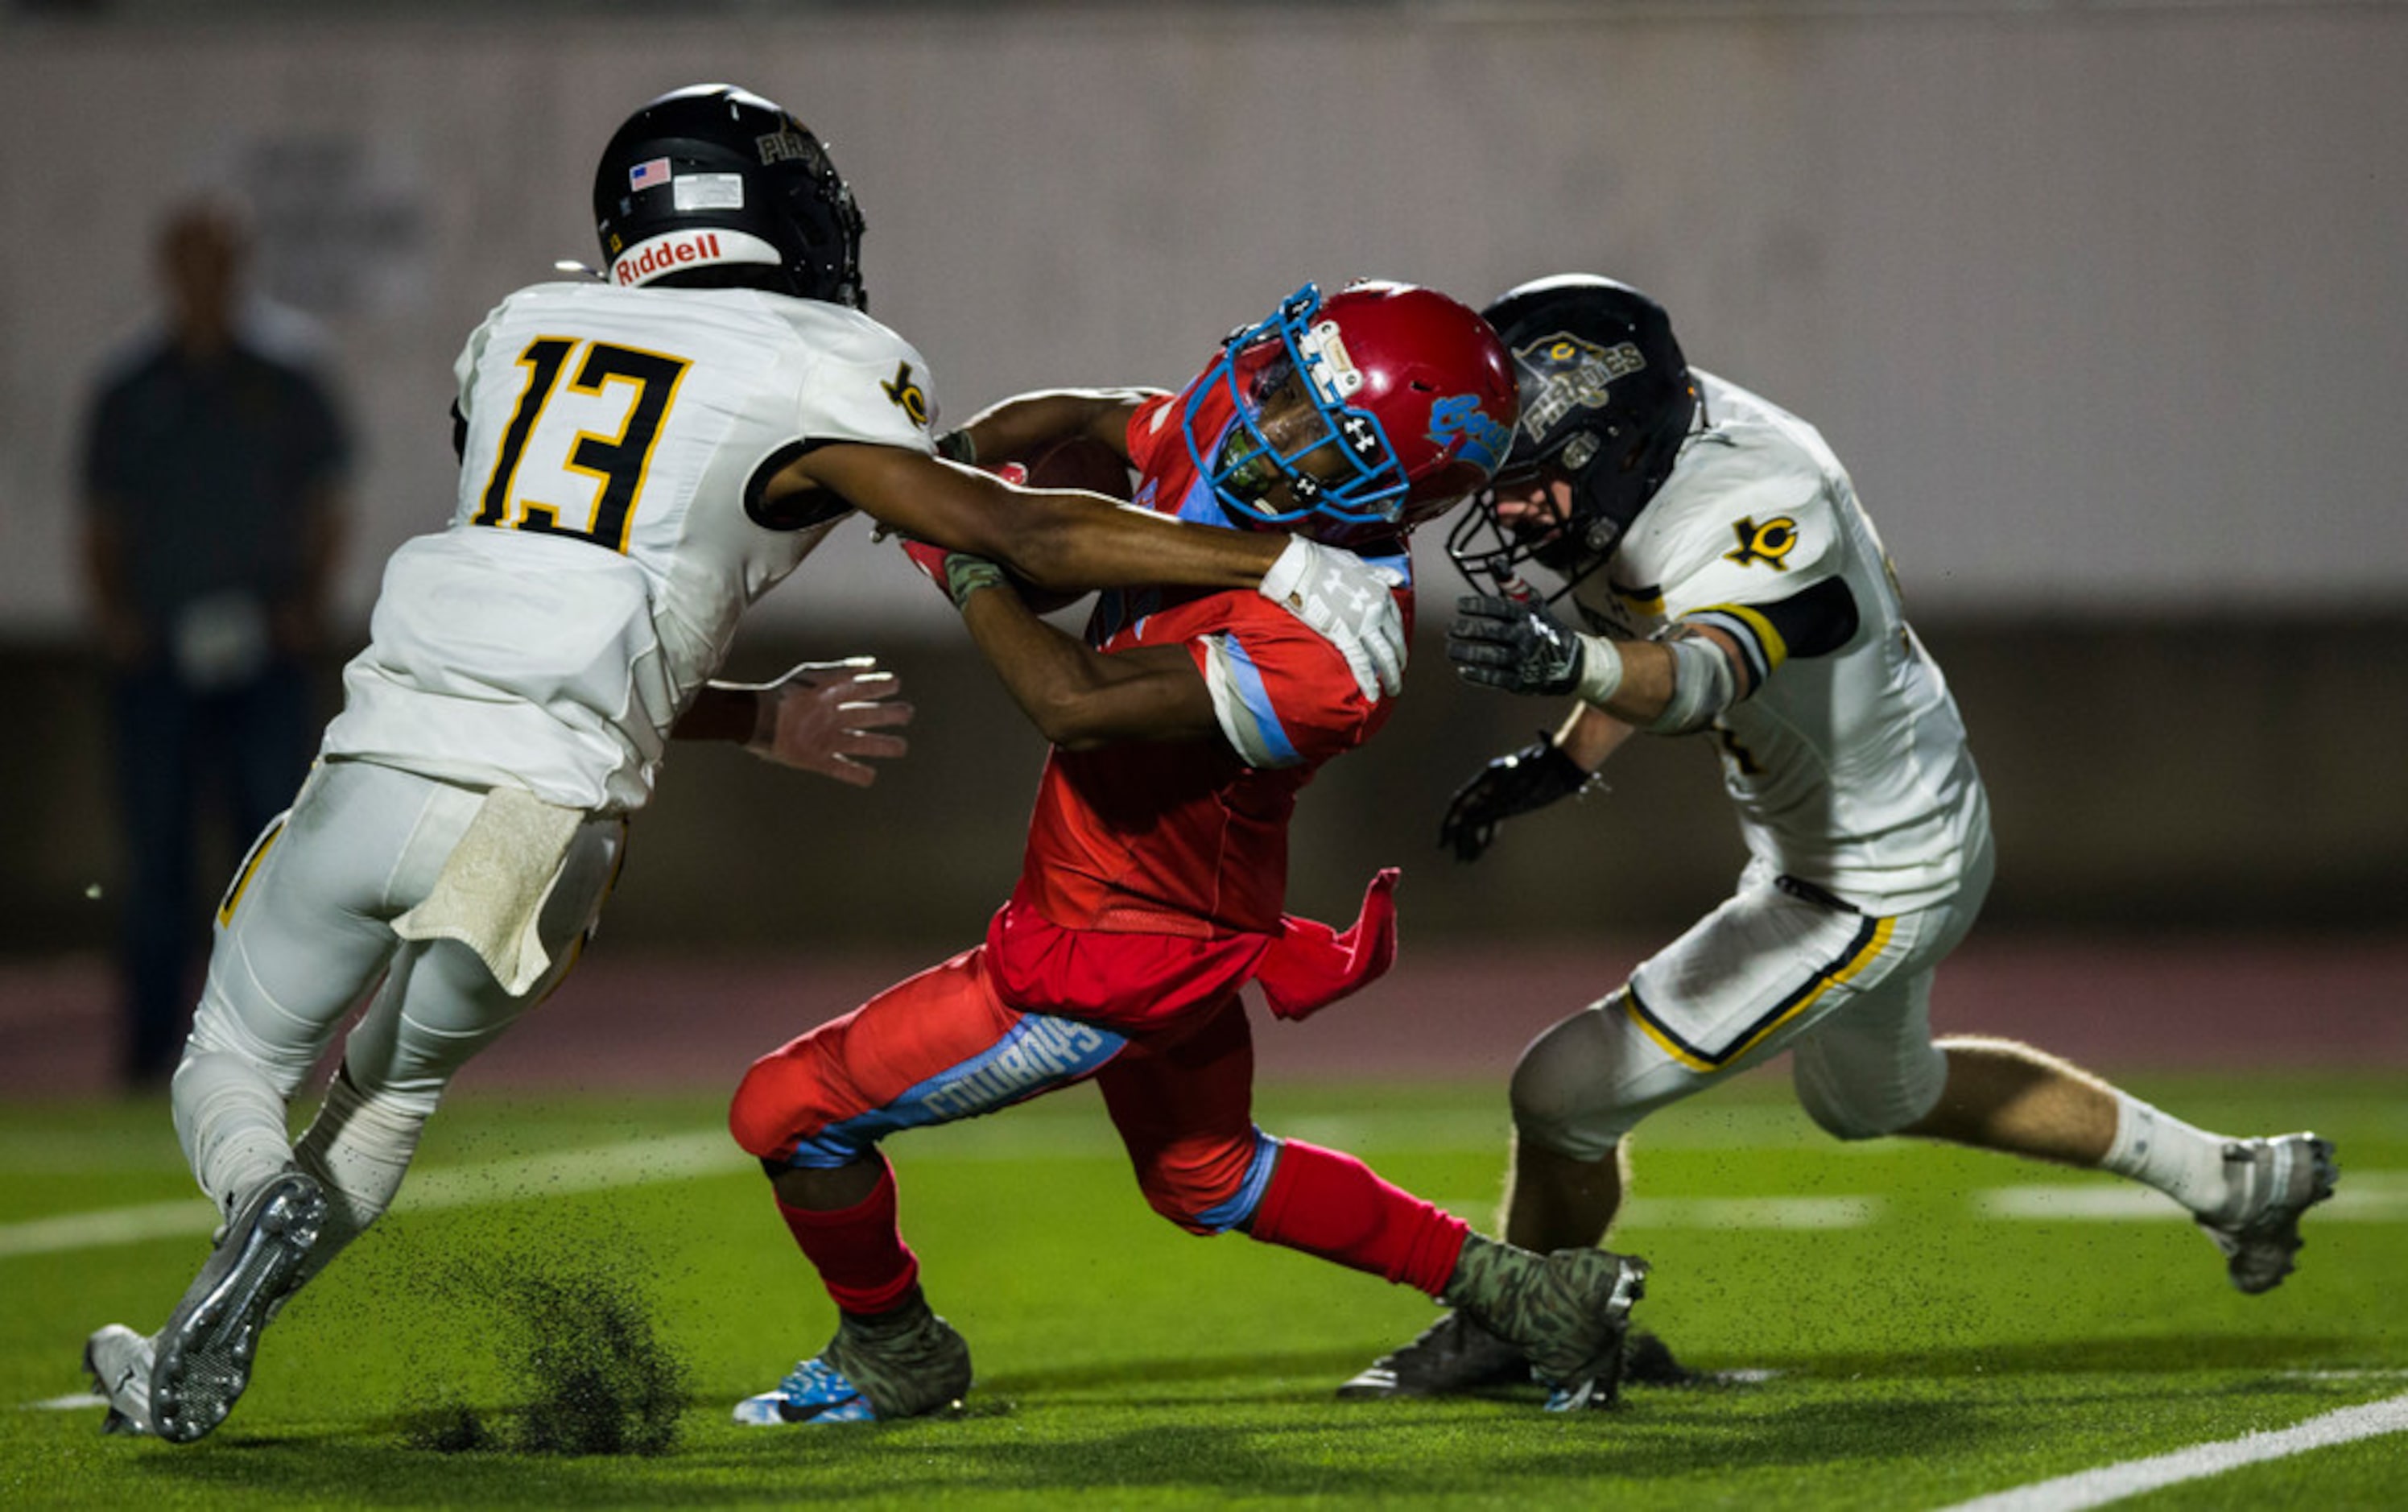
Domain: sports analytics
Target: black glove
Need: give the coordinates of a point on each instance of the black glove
(1530, 778)
(1518, 647)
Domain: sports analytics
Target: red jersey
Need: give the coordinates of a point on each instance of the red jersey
(1190, 838)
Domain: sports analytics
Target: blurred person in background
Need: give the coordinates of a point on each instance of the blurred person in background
(212, 478)
(1185, 726)
(643, 454)
(1727, 585)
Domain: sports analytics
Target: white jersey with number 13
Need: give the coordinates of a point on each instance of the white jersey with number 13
(607, 533)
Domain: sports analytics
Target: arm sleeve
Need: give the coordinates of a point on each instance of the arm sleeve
(1815, 621)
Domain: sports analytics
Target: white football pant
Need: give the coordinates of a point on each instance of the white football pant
(302, 934)
(1848, 994)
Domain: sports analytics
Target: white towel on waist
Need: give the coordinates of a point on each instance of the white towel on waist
(490, 892)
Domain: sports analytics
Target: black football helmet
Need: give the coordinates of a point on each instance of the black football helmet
(714, 185)
(1606, 401)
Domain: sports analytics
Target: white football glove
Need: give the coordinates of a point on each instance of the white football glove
(822, 716)
(1346, 601)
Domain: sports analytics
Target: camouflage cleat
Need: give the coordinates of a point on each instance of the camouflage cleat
(903, 1363)
(1585, 1316)
(1452, 1356)
(1569, 1311)
(119, 1360)
(2281, 1177)
(205, 1351)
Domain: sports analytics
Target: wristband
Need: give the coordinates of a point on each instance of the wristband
(765, 721)
(1286, 574)
(965, 574)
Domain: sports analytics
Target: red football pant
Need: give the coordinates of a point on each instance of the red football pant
(943, 1045)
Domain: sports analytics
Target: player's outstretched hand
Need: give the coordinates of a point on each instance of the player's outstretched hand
(1347, 602)
(828, 716)
(1516, 646)
(1515, 783)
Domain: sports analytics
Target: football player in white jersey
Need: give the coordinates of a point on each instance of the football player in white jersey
(643, 455)
(1728, 584)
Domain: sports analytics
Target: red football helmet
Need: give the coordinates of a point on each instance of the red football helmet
(1358, 417)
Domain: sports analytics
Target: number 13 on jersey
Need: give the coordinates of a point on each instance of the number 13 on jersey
(548, 454)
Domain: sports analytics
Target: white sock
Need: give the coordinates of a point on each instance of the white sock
(230, 1119)
(359, 1147)
(2158, 1149)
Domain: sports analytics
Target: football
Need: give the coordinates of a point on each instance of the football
(1080, 462)
(1075, 461)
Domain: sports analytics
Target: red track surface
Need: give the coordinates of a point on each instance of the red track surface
(677, 1024)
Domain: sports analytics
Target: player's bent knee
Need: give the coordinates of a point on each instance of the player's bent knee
(1870, 1108)
(218, 1032)
(1201, 1208)
(1210, 1187)
(1843, 1123)
(748, 1121)
(762, 1116)
(1184, 1212)
(1586, 1141)
(1564, 1093)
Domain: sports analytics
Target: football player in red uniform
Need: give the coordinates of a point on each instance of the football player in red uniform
(1153, 885)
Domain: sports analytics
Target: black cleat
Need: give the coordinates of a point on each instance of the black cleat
(1452, 1356)
(1646, 1360)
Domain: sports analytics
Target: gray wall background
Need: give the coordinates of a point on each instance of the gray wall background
(2106, 306)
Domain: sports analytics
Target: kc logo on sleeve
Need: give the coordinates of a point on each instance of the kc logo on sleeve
(1769, 542)
(905, 391)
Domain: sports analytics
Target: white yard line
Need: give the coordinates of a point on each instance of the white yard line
(2113, 1482)
(2342, 1374)
(568, 1171)
(1752, 1212)
(109, 1226)
(2363, 1197)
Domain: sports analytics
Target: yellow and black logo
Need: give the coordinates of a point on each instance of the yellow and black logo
(1768, 542)
(908, 396)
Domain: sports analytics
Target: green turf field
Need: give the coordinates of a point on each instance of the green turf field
(1937, 1325)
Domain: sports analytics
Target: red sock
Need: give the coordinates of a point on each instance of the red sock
(1329, 1203)
(859, 1250)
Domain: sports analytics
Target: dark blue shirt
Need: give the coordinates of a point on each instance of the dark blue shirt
(210, 469)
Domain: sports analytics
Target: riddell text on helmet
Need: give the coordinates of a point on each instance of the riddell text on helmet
(666, 253)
